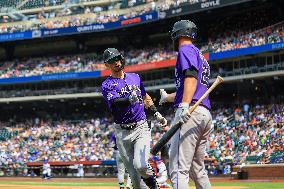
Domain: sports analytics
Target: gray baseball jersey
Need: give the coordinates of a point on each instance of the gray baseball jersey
(188, 144)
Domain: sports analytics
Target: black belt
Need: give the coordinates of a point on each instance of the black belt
(131, 126)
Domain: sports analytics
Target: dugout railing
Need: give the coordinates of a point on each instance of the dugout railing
(92, 169)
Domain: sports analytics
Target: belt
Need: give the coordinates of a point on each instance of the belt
(191, 104)
(130, 126)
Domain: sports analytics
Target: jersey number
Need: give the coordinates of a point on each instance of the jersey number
(205, 75)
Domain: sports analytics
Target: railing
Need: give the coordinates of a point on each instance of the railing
(251, 70)
(23, 93)
(92, 169)
(67, 170)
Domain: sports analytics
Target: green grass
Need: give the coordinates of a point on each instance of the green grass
(253, 185)
(248, 185)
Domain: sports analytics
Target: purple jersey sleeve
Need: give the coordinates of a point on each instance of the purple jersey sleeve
(187, 59)
(109, 94)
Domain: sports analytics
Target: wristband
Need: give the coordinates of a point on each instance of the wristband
(153, 109)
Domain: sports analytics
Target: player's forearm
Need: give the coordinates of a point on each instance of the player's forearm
(190, 84)
(148, 101)
(171, 97)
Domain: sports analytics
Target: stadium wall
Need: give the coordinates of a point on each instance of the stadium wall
(260, 171)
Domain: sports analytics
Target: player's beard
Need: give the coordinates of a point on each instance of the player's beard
(118, 69)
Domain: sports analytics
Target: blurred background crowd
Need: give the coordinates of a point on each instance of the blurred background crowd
(241, 135)
(93, 61)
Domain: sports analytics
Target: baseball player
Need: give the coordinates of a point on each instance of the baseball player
(160, 171)
(126, 97)
(192, 80)
(46, 170)
(80, 170)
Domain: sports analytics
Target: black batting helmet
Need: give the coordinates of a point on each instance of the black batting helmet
(184, 28)
(112, 54)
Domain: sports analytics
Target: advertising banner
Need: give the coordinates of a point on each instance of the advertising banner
(151, 16)
(50, 77)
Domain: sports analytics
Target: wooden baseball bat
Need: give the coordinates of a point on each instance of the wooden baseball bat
(168, 135)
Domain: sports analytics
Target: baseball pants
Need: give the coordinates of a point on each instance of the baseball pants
(120, 167)
(187, 151)
(134, 148)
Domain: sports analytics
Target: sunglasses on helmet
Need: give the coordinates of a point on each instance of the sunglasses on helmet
(114, 59)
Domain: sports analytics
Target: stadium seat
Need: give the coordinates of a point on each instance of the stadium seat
(252, 159)
(247, 71)
(229, 73)
(254, 69)
(271, 67)
(37, 4)
(238, 71)
(9, 3)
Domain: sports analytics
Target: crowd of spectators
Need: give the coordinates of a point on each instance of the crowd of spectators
(75, 16)
(244, 30)
(35, 140)
(253, 131)
(239, 133)
(166, 5)
(77, 63)
(92, 62)
(272, 34)
(47, 65)
(233, 32)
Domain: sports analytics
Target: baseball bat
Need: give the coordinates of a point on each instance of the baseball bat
(168, 135)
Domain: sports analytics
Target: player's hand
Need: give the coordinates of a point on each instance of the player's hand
(133, 97)
(182, 114)
(163, 121)
(164, 96)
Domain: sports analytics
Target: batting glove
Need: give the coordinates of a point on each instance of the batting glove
(163, 121)
(182, 115)
(133, 98)
(164, 96)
